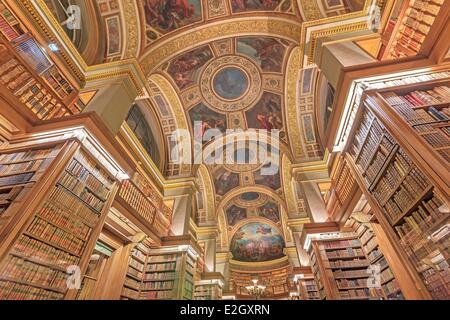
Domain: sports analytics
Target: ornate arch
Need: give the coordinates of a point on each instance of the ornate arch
(186, 40)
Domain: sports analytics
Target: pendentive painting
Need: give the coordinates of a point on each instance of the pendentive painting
(257, 242)
(266, 114)
(185, 69)
(270, 211)
(169, 15)
(225, 181)
(254, 5)
(272, 181)
(208, 119)
(267, 52)
(235, 214)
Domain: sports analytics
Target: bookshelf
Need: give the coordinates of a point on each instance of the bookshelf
(427, 111)
(340, 268)
(165, 273)
(275, 281)
(390, 287)
(138, 196)
(135, 273)
(209, 287)
(10, 27)
(413, 208)
(19, 171)
(61, 231)
(408, 27)
(305, 284)
(28, 76)
(342, 190)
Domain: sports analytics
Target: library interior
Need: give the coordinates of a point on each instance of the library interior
(224, 149)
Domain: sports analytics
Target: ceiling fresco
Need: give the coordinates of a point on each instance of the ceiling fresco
(225, 64)
(257, 242)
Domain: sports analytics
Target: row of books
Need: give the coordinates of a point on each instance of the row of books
(395, 172)
(171, 266)
(10, 290)
(437, 95)
(138, 254)
(376, 160)
(48, 232)
(410, 191)
(386, 275)
(84, 175)
(8, 24)
(21, 83)
(136, 200)
(163, 276)
(343, 264)
(134, 273)
(156, 295)
(345, 253)
(79, 190)
(68, 202)
(425, 216)
(162, 258)
(28, 155)
(40, 251)
(129, 293)
(55, 79)
(100, 174)
(416, 19)
(365, 293)
(137, 265)
(159, 285)
(410, 79)
(132, 283)
(9, 169)
(17, 179)
(340, 244)
(346, 284)
(65, 221)
(29, 272)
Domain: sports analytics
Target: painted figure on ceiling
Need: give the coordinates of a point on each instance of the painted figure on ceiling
(169, 15)
(183, 70)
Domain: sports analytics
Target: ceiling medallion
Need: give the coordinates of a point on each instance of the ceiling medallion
(251, 199)
(231, 83)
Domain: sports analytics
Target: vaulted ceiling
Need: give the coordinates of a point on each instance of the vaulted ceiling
(227, 64)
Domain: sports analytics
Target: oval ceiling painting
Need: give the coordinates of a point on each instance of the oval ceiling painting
(256, 242)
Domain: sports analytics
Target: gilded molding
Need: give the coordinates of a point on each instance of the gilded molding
(172, 98)
(293, 129)
(172, 46)
(131, 14)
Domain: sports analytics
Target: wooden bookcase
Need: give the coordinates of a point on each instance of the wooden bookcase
(406, 201)
(135, 273)
(209, 287)
(165, 273)
(409, 25)
(340, 268)
(53, 212)
(29, 79)
(369, 242)
(306, 286)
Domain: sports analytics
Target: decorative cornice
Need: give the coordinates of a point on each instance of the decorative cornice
(170, 47)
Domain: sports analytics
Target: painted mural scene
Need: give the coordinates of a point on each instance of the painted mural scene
(225, 150)
(257, 242)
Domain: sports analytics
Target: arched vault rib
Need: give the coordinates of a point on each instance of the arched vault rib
(237, 26)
